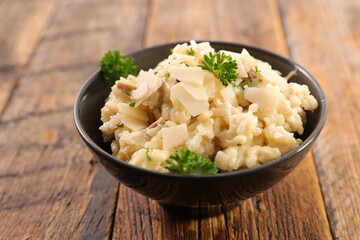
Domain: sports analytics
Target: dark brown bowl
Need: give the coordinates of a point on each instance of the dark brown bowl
(195, 191)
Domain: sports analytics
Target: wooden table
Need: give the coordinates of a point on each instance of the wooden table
(50, 186)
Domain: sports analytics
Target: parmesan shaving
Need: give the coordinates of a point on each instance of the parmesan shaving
(174, 136)
(267, 99)
(272, 76)
(194, 106)
(209, 84)
(192, 75)
(197, 92)
(133, 123)
(228, 95)
(134, 118)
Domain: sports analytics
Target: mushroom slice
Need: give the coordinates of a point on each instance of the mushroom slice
(148, 83)
(160, 121)
(125, 86)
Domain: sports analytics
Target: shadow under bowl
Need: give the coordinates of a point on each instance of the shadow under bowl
(200, 190)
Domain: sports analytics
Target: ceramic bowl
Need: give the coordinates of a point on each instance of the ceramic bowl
(195, 191)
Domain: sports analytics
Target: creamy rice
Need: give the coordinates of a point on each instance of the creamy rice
(178, 105)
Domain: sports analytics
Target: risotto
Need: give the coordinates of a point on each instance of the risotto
(179, 105)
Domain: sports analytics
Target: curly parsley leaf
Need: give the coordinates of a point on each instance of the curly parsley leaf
(190, 163)
(221, 65)
(114, 65)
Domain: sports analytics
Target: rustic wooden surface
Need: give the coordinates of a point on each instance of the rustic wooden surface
(52, 188)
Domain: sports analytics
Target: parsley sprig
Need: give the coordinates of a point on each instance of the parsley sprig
(221, 65)
(114, 65)
(190, 163)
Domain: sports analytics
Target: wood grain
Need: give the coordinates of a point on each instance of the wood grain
(209, 20)
(23, 31)
(50, 186)
(327, 43)
(294, 208)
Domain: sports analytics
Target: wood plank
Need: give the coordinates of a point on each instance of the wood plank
(50, 186)
(325, 37)
(294, 208)
(23, 31)
(211, 20)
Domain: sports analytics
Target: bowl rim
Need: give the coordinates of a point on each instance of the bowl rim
(312, 137)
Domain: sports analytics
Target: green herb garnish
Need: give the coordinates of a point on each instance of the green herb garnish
(239, 144)
(256, 69)
(221, 65)
(190, 52)
(114, 65)
(127, 93)
(242, 85)
(119, 125)
(190, 163)
(167, 75)
(148, 158)
(260, 80)
(132, 104)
